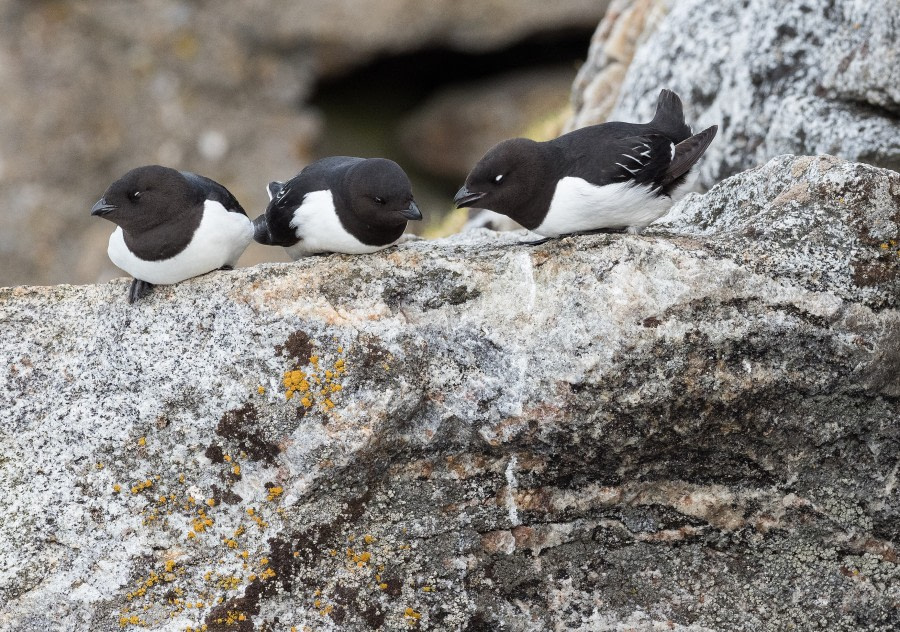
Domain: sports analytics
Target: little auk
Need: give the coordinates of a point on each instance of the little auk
(338, 204)
(171, 226)
(609, 176)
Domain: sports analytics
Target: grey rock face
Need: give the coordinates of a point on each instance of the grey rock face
(823, 74)
(693, 429)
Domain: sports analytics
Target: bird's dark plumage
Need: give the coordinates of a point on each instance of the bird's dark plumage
(613, 175)
(172, 225)
(338, 204)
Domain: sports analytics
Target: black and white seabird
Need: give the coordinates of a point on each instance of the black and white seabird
(338, 204)
(609, 176)
(172, 225)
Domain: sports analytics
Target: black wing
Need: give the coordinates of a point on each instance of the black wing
(274, 228)
(212, 190)
(649, 159)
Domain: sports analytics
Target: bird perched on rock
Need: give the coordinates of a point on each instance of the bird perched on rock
(172, 225)
(338, 204)
(609, 176)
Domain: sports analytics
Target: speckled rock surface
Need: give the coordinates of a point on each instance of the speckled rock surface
(693, 429)
(824, 74)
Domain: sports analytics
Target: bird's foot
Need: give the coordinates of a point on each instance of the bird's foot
(536, 242)
(138, 290)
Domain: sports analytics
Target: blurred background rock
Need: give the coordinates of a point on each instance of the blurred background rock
(251, 91)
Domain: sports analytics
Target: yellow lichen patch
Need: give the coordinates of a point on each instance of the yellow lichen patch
(318, 383)
(261, 390)
(233, 617)
(891, 246)
(267, 574)
(411, 614)
(117, 488)
(274, 493)
(142, 441)
(141, 486)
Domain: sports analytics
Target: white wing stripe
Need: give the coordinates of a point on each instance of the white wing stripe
(626, 168)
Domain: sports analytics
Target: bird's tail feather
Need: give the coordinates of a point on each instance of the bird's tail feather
(688, 152)
(669, 117)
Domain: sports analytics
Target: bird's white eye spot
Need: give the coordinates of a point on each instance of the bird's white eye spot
(379, 200)
(135, 196)
(498, 178)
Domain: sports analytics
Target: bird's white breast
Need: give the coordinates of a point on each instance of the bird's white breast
(578, 205)
(319, 229)
(219, 240)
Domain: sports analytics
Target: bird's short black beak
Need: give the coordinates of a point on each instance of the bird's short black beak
(412, 212)
(101, 208)
(464, 198)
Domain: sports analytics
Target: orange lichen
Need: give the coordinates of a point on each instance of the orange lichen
(409, 613)
(274, 493)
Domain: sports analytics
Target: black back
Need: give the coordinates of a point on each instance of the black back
(325, 174)
(159, 208)
(214, 191)
(518, 177)
(341, 175)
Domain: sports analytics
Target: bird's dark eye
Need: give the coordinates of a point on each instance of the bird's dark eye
(498, 179)
(379, 200)
(134, 197)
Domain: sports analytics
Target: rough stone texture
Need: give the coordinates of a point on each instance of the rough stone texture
(806, 77)
(691, 430)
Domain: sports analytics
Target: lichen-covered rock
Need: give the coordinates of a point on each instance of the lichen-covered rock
(694, 429)
(823, 74)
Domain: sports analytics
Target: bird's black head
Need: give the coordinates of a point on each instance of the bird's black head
(379, 193)
(507, 180)
(145, 198)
